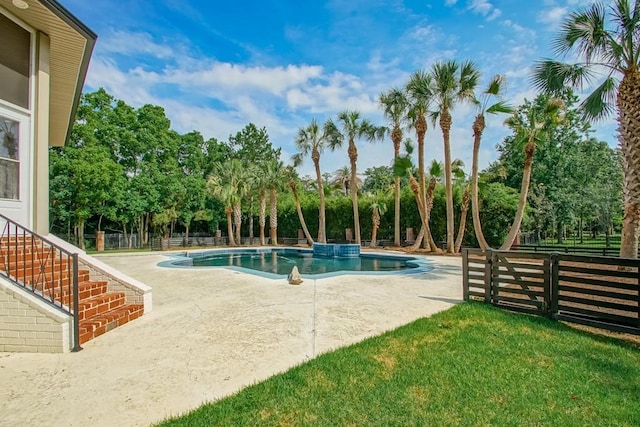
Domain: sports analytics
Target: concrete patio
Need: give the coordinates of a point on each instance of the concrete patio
(211, 333)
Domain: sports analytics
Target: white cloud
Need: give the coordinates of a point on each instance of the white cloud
(553, 16)
(128, 43)
(450, 2)
(484, 8)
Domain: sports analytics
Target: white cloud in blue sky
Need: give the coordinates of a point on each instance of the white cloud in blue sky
(216, 66)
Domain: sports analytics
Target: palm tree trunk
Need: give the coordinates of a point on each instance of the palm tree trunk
(522, 202)
(419, 238)
(445, 125)
(396, 219)
(478, 128)
(303, 223)
(251, 220)
(229, 211)
(463, 217)
(322, 228)
(237, 219)
(263, 215)
(374, 228)
(273, 216)
(396, 136)
(428, 207)
(353, 158)
(629, 137)
(421, 130)
(415, 188)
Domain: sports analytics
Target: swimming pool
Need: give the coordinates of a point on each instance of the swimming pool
(278, 262)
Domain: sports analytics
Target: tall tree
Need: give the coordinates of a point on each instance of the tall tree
(275, 177)
(494, 89)
(353, 127)
(394, 105)
(292, 182)
(452, 83)
(312, 140)
(227, 184)
(613, 45)
(531, 127)
(378, 208)
(420, 95)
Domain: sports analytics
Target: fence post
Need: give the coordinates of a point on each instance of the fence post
(465, 274)
(554, 284)
(487, 276)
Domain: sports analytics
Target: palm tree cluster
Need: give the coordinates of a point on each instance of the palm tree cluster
(427, 95)
(431, 96)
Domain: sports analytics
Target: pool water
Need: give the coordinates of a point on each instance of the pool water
(281, 262)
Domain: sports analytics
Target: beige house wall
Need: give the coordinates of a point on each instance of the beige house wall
(29, 325)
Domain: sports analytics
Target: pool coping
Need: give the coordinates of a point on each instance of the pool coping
(185, 260)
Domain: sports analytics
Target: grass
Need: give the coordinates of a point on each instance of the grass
(471, 365)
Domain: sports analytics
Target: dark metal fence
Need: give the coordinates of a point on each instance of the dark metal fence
(42, 268)
(593, 290)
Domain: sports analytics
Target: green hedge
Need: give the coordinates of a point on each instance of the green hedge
(498, 206)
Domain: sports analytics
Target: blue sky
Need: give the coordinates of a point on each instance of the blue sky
(216, 66)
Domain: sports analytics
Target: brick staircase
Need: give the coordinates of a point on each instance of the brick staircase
(44, 270)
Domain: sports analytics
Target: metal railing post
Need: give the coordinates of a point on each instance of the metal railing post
(76, 304)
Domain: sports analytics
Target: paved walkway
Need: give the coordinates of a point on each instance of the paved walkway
(211, 333)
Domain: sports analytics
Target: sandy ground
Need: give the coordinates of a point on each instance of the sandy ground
(211, 333)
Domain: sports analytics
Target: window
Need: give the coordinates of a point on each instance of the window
(14, 62)
(9, 159)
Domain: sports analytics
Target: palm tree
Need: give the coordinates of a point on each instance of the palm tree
(292, 182)
(354, 127)
(612, 45)
(312, 140)
(494, 89)
(342, 180)
(403, 167)
(420, 96)
(274, 175)
(378, 208)
(394, 105)
(459, 179)
(226, 184)
(260, 184)
(452, 83)
(531, 127)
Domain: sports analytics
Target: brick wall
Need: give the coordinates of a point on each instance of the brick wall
(133, 294)
(28, 325)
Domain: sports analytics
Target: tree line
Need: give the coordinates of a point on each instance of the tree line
(128, 167)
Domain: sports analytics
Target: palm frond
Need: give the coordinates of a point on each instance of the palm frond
(402, 165)
(501, 107)
(468, 81)
(553, 76)
(297, 159)
(409, 146)
(435, 169)
(601, 102)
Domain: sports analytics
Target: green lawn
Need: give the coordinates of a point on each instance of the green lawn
(471, 365)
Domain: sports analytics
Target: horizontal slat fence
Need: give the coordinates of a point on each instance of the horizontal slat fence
(521, 281)
(593, 290)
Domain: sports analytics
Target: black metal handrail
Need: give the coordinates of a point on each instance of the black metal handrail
(42, 268)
